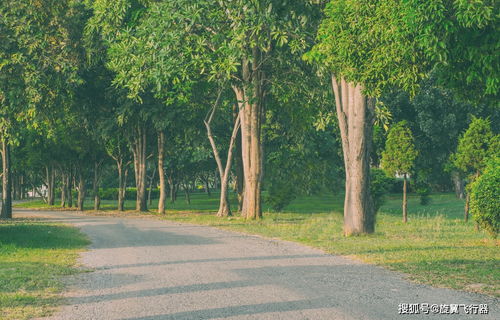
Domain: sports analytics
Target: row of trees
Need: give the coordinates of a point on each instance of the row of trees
(242, 85)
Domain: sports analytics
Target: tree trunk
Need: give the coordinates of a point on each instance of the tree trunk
(224, 207)
(161, 172)
(151, 183)
(458, 184)
(405, 201)
(356, 115)
(50, 172)
(96, 184)
(249, 99)
(186, 192)
(63, 189)
(81, 190)
(6, 211)
(139, 151)
(69, 185)
(171, 185)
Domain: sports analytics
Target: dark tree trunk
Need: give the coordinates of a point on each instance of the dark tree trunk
(405, 201)
(238, 169)
(95, 185)
(356, 115)
(63, 188)
(151, 184)
(6, 211)
(161, 172)
(69, 186)
(139, 151)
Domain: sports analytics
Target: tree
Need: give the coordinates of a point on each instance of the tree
(474, 147)
(370, 46)
(485, 198)
(399, 156)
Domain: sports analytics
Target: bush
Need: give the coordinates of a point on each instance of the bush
(130, 193)
(380, 185)
(280, 195)
(485, 198)
(424, 194)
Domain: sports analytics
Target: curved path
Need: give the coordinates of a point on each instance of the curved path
(149, 269)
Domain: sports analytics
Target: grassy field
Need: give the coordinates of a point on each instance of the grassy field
(33, 258)
(435, 247)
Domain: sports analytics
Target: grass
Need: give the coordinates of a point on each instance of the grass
(435, 247)
(33, 258)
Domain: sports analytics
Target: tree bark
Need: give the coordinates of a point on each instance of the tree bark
(161, 172)
(82, 188)
(122, 183)
(458, 184)
(63, 188)
(356, 116)
(69, 185)
(238, 165)
(50, 173)
(139, 152)
(224, 206)
(6, 211)
(95, 185)
(186, 192)
(249, 98)
(405, 201)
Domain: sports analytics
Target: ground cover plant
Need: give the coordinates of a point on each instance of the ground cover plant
(34, 256)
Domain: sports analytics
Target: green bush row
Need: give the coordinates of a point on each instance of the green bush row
(112, 193)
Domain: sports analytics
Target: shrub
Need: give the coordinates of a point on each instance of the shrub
(485, 198)
(424, 194)
(280, 195)
(380, 185)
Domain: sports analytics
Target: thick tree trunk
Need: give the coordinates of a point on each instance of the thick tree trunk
(405, 201)
(82, 188)
(356, 115)
(139, 151)
(249, 99)
(6, 211)
(161, 172)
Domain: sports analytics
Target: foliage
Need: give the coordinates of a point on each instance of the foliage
(485, 198)
(380, 185)
(387, 43)
(399, 154)
(474, 147)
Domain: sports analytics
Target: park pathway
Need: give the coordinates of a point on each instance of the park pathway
(149, 269)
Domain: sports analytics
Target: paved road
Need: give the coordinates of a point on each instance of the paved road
(149, 269)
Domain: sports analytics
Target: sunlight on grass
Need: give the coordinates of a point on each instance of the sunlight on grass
(33, 258)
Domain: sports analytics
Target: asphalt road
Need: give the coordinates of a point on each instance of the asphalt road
(148, 269)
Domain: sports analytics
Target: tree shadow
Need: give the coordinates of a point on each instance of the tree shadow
(41, 235)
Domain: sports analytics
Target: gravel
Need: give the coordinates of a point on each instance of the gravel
(149, 269)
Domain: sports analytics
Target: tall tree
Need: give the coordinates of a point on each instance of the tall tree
(369, 46)
(399, 157)
(474, 147)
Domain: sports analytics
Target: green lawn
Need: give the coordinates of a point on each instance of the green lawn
(435, 247)
(33, 258)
